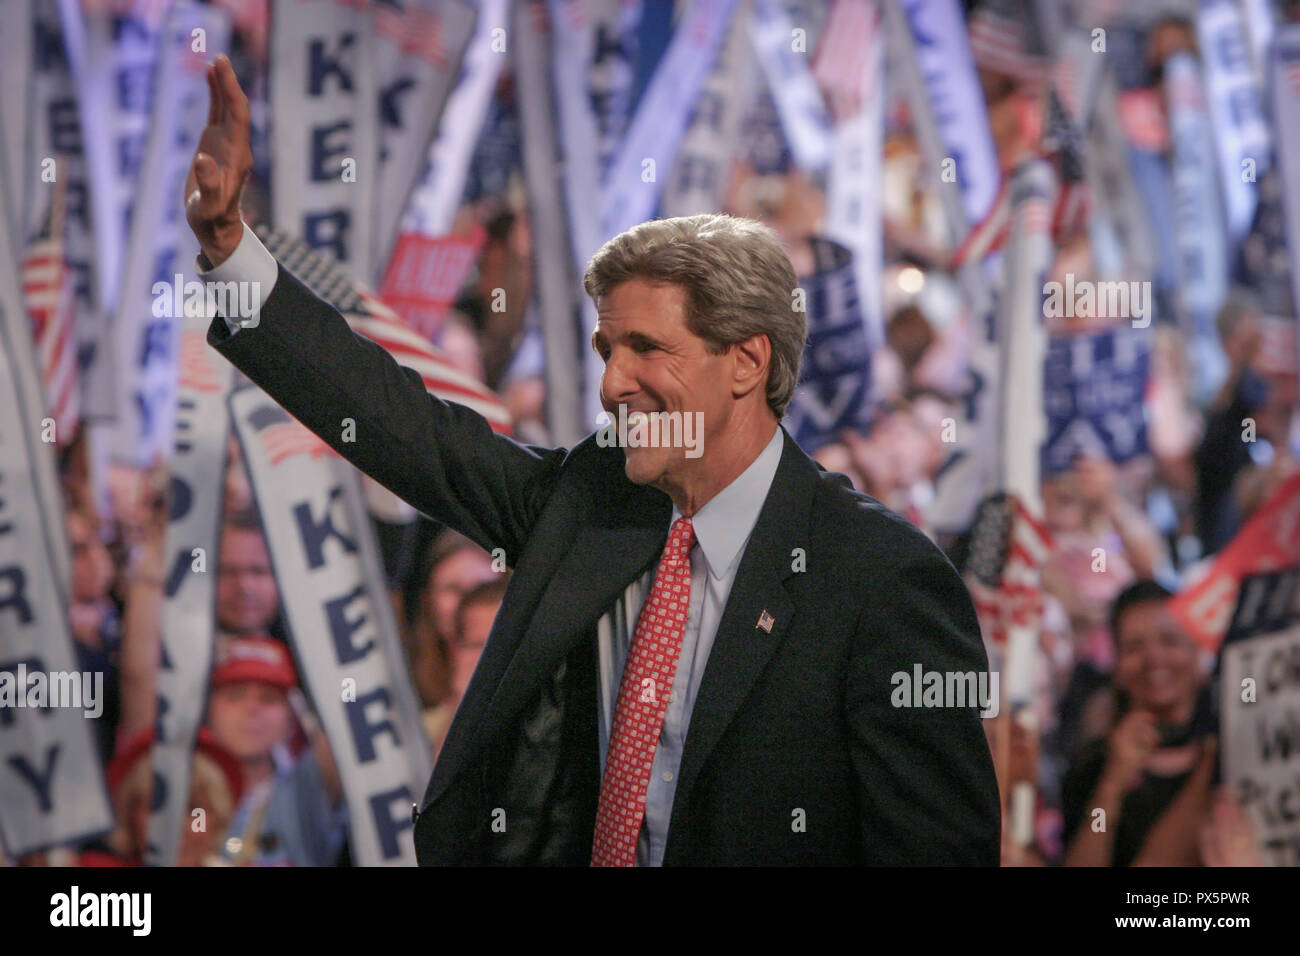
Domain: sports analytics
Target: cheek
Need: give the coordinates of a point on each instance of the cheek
(1127, 669)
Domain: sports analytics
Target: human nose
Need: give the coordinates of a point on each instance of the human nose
(618, 382)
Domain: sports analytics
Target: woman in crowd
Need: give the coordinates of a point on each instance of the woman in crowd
(1137, 796)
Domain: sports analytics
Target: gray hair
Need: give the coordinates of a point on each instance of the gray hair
(738, 282)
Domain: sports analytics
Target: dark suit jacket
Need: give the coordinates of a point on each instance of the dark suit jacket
(794, 753)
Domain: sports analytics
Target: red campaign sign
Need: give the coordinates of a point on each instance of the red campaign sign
(1270, 541)
(425, 275)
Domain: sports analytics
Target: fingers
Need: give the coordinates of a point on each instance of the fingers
(206, 175)
(236, 103)
(215, 108)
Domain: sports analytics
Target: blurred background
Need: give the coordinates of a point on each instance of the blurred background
(1047, 252)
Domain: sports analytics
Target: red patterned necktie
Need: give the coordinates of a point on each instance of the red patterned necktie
(642, 703)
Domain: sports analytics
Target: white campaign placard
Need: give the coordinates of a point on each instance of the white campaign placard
(346, 643)
(1260, 743)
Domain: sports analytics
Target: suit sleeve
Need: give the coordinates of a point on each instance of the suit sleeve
(926, 787)
(441, 457)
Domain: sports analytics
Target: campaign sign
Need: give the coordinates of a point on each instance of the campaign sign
(1260, 705)
(341, 623)
(835, 382)
(1093, 389)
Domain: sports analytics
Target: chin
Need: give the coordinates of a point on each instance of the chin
(642, 469)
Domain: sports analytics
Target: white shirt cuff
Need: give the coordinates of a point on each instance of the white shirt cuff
(252, 264)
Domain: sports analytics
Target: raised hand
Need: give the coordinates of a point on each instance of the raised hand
(221, 166)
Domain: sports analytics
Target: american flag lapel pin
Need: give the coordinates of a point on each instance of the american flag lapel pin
(765, 621)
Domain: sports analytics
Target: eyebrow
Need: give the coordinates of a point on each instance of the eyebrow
(632, 338)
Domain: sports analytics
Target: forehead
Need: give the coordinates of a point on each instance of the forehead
(642, 300)
(1147, 616)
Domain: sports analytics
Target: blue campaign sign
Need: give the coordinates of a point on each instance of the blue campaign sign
(1093, 391)
(835, 381)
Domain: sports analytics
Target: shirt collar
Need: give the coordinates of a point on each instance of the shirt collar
(723, 525)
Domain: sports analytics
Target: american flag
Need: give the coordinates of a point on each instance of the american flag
(1001, 44)
(49, 290)
(1068, 212)
(286, 439)
(197, 370)
(418, 31)
(373, 319)
(1009, 547)
(849, 30)
(1063, 143)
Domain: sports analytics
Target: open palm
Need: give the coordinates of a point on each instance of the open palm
(221, 165)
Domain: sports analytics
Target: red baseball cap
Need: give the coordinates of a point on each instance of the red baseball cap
(257, 658)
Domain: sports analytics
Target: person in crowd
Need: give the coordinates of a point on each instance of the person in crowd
(292, 812)
(1223, 451)
(474, 616)
(94, 619)
(216, 785)
(248, 601)
(452, 565)
(1101, 543)
(1126, 798)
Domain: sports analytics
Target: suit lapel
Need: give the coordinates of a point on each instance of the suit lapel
(621, 530)
(743, 644)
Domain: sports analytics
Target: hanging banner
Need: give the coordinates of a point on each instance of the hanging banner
(558, 289)
(702, 169)
(1270, 541)
(586, 40)
(433, 202)
(54, 145)
(160, 256)
(24, 377)
(1198, 232)
(1111, 183)
(803, 113)
(325, 156)
(1094, 389)
(1021, 335)
(592, 79)
(633, 183)
(951, 122)
(1285, 98)
(51, 784)
(940, 48)
(113, 52)
(15, 75)
(1241, 131)
(1257, 18)
(853, 214)
(345, 639)
(835, 380)
(417, 49)
(1259, 700)
(197, 462)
